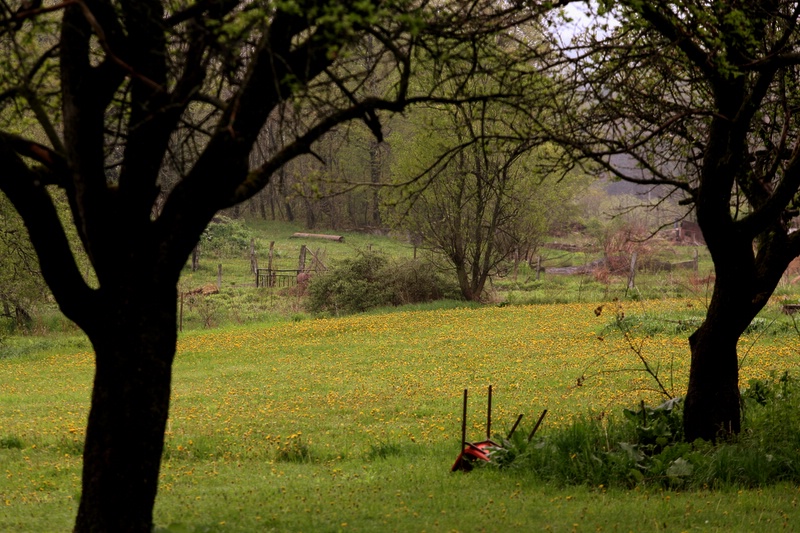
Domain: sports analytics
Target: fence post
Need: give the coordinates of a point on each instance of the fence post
(269, 264)
(301, 264)
(253, 258)
(632, 273)
(219, 276)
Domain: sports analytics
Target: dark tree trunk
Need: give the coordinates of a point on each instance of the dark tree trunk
(375, 164)
(262, 204)
(743, 286)
(712, 407)
(284, 195)
(311, 218)
(471, 289)
(130, 404)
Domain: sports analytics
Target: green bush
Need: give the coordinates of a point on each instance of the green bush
(225, 236)
(645, 447)
(371, 280)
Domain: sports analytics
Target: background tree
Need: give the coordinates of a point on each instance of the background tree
(129, 81)
(477, 196)
(701, 97)
(21, 285)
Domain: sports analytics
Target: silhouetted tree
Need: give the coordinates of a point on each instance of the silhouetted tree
(145, 114)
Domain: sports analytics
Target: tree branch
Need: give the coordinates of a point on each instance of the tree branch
(56, 260)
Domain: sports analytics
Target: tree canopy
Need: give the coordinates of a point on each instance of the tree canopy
(149, 117)
(700, 98)
(146, 115)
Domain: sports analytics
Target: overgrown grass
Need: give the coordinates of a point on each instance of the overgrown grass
(769, 323)
(312, 424)
(645, 447)
(37, 345)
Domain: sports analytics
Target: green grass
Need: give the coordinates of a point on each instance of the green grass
(353, 424)
(286, 252)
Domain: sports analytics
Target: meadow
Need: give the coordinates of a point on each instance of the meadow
(353, 423)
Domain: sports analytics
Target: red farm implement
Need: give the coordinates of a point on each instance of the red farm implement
(482, 451)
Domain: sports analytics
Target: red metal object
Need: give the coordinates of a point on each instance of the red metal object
(477, 451)
(482, 451)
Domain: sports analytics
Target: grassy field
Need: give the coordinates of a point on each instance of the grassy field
(352, 424)
(238, 304)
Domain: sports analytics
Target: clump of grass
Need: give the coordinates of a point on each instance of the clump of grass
(70, 446)
(772, 326)
(653, 324)
(19, 346)
(195, 449)
(294, 450)
(383, 450)
(11, 442)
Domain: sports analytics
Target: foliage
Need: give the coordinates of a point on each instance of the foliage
(656, 427)
(225, 236)
(21, 286)
(646, 447)
(771, 390)
(470, 194)
(371, 280)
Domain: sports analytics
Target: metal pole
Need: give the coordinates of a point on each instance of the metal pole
(489, 416)
(514, 427)
(464, 424)
(533, 432)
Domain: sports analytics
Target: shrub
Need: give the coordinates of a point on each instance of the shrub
(370, 280)
(225, 236)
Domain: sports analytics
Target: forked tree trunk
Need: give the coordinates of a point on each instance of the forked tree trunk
(130, 404)
(713, 409)
(464, 283)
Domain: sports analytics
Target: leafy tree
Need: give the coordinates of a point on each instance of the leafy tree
(128, 82)
(476, 195)
(701, 97)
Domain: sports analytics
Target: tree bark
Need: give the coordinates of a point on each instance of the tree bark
(375, 164)
(712, 408)
(129, 410)
(744, 283)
